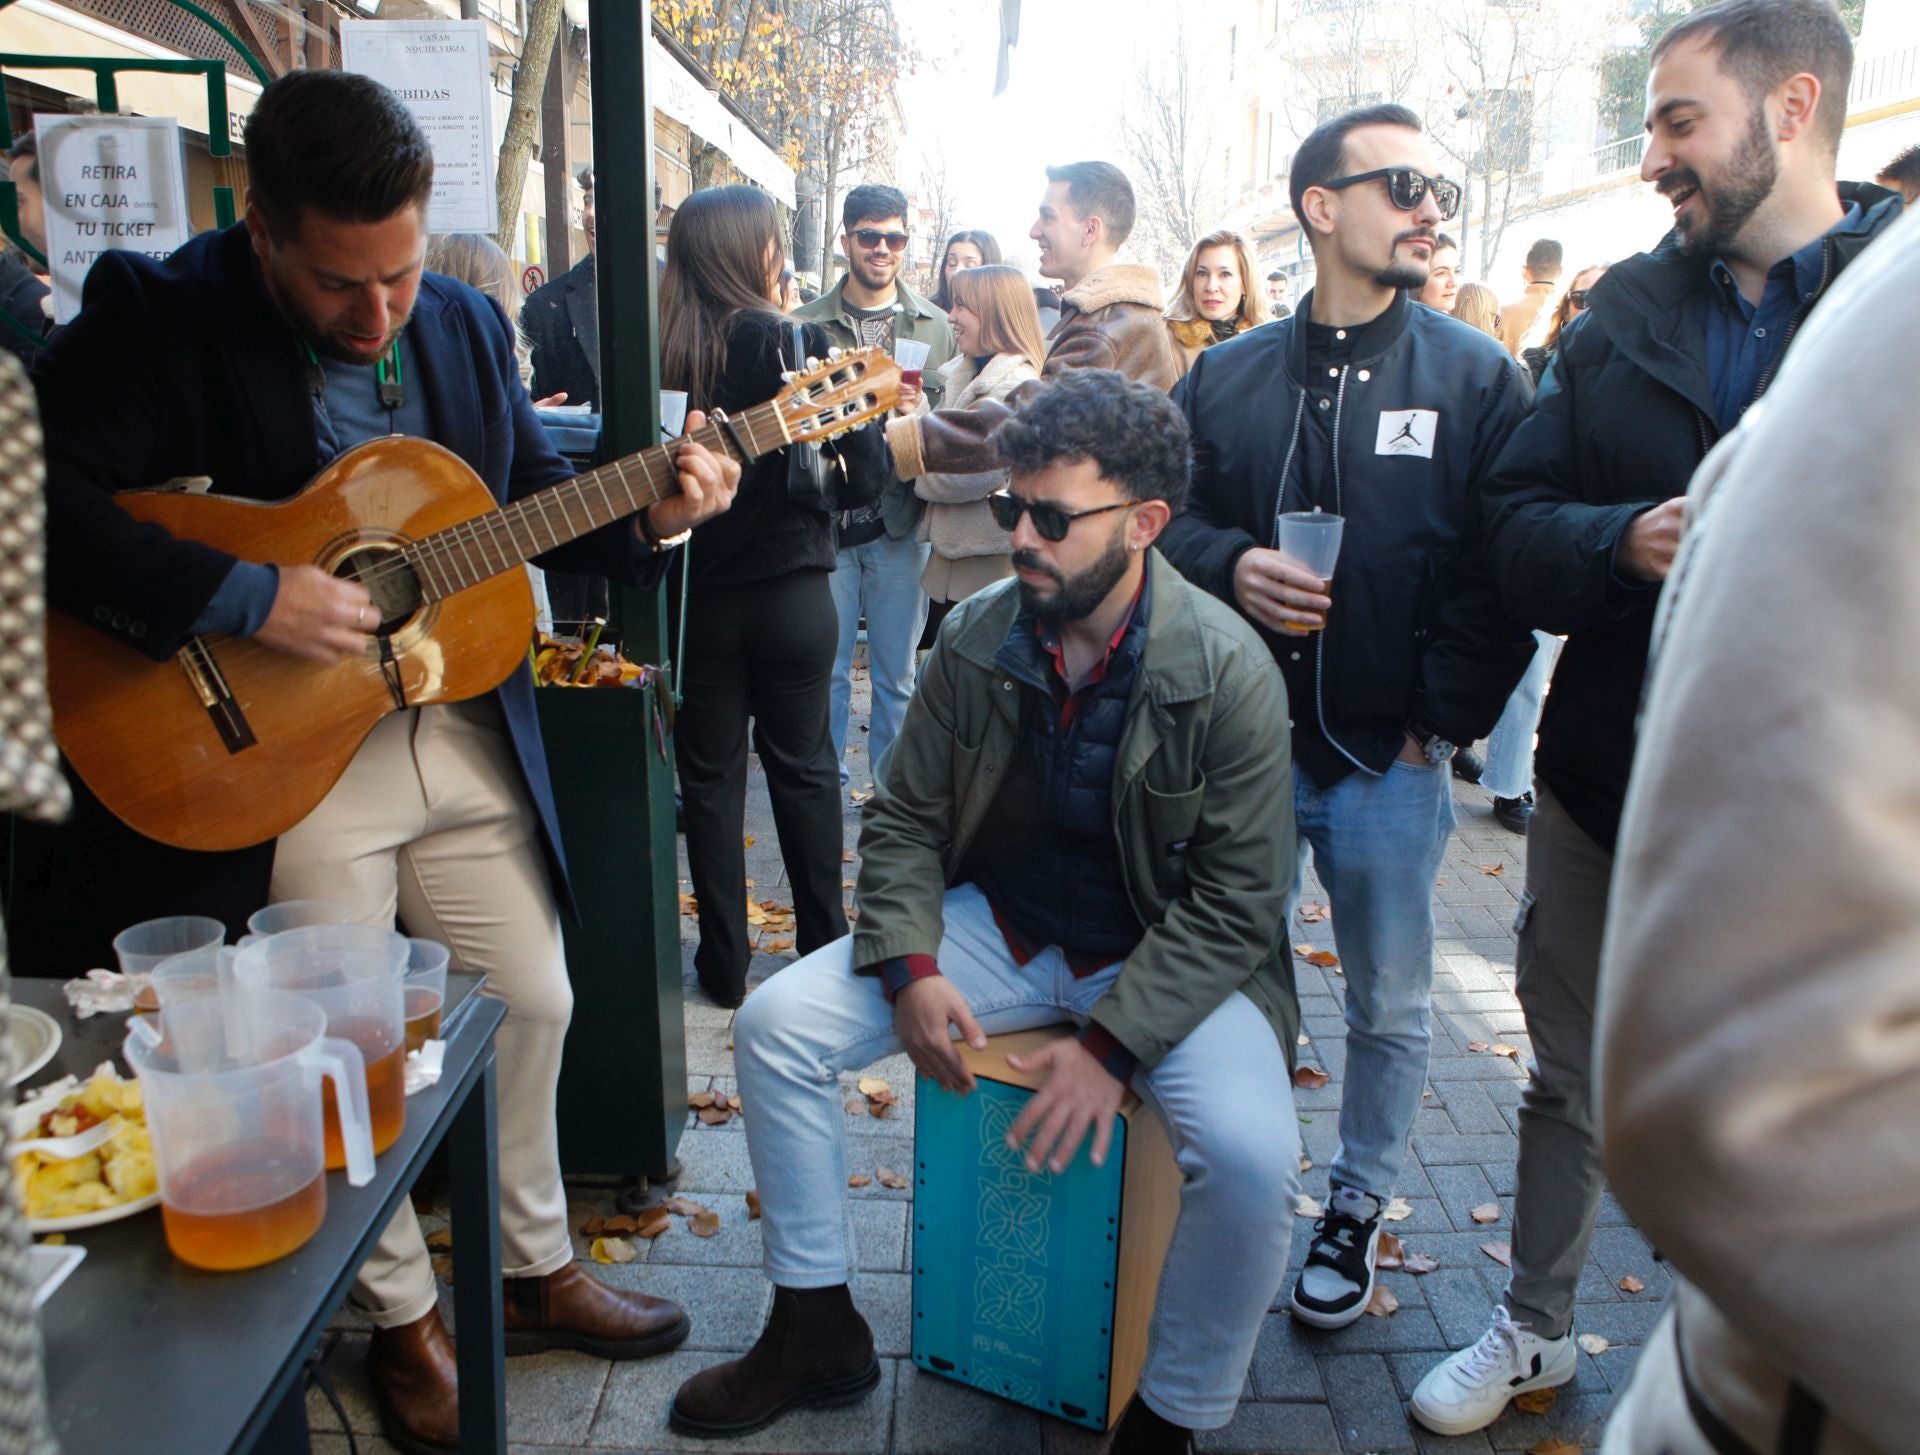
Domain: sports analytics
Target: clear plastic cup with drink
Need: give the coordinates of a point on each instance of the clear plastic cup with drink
(425, 989)
(1310, 539)
(911, 356)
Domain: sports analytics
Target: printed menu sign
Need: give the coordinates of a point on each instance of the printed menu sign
(439, 68)
(111, 183)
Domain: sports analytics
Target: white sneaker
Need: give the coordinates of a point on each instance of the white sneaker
(1467, 1390)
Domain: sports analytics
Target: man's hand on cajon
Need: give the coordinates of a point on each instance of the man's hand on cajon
(922, 1012)
(1078, 1094)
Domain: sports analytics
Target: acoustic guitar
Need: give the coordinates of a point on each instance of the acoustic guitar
(230, 743)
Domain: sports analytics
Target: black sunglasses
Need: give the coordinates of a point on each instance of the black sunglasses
(872, 237)
(1407, 189)
(1051, 521)
(1578, 296)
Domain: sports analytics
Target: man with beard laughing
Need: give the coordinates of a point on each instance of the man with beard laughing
(1745, 107)
(1368, 406)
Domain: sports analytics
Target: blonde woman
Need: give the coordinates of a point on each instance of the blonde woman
(1478, 305)
(475, 258)
(1217, 298)
(998, 346)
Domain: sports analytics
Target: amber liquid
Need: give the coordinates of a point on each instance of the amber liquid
(253, 1225)
(386, 1092)
(423, 1017)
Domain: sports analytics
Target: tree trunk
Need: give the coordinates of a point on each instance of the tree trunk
(529, 81)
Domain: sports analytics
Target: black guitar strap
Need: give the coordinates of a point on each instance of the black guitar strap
(390, 670)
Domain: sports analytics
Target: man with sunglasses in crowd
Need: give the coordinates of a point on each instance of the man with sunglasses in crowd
(1369, 406)
(1085, 819)
(881, 555)
(1745, 107)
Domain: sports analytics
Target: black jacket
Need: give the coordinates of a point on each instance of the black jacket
(1415, 633)
(561, 320)
(1624, 415)
(20, 298)
(764, 535)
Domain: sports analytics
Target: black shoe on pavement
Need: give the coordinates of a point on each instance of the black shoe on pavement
(1513, 813)
(1468, 765)
(1142, 1432)
(1335, 1285)
(815, 1350)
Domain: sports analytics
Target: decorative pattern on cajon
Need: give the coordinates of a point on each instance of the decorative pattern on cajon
(1034, 1287)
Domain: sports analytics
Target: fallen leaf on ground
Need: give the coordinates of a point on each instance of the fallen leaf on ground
(684, 1207)
(1303, 1039)
(859, 795)
(1397, 1210)
(859, 1179)
(777, 947)
(1306, 1164)
(852, 915)
(1440, 883)
(747, 842)
(1311, 1078)
(1487, 1212)
(614, 1250)
(593, 1227)
(700, 1099)
(1630, 1284)
(880, 1108)
(1325, 959)
(704, 1225)
(653, 1222)
(1554, 1447)
(847, 884)
(440, 1241)
(1383, 1305)
(689, 906)
(1501, 1048)
(1305, 1207)
(442, 1266)
(1493, 868)
(1389, 1252)
(873, 1085)
(620, 1223)
(1593, 1344)
(847, 856)
(1476, 1046)
(1501, 1253)
(1536, 1401)
(1313, 914)
(715, 1116)
(753, 1205)
(1419, 1263)
(856, 1107)
(889, 1178)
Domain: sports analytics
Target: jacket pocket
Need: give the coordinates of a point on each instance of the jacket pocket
(1171, 819)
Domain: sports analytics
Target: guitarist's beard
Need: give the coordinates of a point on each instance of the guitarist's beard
(329, 345)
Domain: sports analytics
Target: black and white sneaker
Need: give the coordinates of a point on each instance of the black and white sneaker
(1337, 1281)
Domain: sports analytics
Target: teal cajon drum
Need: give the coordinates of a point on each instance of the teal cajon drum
(1036, 1288)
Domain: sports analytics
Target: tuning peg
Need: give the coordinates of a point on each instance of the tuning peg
(836, 354)
(786, 376)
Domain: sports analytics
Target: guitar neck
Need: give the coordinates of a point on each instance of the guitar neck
(463, 555)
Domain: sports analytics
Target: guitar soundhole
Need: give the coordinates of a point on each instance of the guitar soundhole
(389, 579)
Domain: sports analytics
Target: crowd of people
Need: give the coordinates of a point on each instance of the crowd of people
(1114, 719)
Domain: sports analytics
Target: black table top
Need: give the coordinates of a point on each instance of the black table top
(145, 1353)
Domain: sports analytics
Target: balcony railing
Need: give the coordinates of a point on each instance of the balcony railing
(1885, 78)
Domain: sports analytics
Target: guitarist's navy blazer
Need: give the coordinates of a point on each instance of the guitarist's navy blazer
(186, 367)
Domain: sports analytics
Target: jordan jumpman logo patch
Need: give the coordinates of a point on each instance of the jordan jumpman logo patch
(1407, 432)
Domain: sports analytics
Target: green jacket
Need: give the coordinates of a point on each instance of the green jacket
(1202, 810)
(917, 319)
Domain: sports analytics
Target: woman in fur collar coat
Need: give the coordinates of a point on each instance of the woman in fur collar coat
(1216, 299)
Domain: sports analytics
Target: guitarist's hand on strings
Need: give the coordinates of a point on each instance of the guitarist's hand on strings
(320, 617)
(707, 482)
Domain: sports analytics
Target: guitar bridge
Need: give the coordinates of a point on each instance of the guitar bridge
(210, 686)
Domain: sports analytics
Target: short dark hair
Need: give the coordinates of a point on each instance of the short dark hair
(1445, 240)
(1323, 155)
(873, 200)
(1544, 259)
(585, 178)
(26, 145)
(1131, 431)
(1762, 42)
(1903, 171)
(339, 143)
(1276, 276)
(1099, 189)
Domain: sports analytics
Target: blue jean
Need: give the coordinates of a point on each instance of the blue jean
(1377, 842)
(1509, 771)
(880, 580)
(1223, 1094)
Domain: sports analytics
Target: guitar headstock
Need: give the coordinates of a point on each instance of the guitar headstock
(831, 396)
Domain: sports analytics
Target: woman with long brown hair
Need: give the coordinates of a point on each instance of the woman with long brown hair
(998, 346)
(967, 248)
(760, 624)
(1217, 297)
(1573, 303)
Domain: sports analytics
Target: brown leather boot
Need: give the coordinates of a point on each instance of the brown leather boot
(815, 1350)
(412, 1370)
(571, 1309)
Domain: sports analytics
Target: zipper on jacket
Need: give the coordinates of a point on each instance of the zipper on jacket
(1320, 645)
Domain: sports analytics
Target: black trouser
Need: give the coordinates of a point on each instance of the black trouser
(762, 651)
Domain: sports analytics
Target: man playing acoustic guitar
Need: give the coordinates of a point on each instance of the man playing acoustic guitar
(255, 356)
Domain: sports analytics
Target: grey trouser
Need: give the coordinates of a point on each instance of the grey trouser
(1557, 1190)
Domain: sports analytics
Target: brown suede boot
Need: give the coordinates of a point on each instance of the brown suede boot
(412, 1370)
(571, 1309)
(815, 1350)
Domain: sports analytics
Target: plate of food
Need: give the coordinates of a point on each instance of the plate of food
(114, 1180)
(36, 1036)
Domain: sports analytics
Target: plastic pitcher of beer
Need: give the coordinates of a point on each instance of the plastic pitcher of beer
(229, 1092)
(354, 973)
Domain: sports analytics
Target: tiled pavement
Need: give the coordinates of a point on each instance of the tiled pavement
(1308, 1391)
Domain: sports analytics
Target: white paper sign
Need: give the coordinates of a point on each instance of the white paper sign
(111, 183)
(439, 68)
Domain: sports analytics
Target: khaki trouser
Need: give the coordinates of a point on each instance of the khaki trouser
(432, 823)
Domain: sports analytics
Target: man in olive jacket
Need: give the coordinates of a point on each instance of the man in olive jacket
(1085, 818)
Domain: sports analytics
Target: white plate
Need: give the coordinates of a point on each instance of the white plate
(36, 1036)
(25, 1116)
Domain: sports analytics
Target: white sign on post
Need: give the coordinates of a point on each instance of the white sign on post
(111, 183)
(439, 68)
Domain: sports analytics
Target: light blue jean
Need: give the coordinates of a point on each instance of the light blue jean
(880, 580)
(1223, 1094)
(1509, 771)
(1377, 842)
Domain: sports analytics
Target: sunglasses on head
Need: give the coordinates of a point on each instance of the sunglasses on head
(1578, 296)
(872, 237)
(1407, 189)
(1051, 521)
